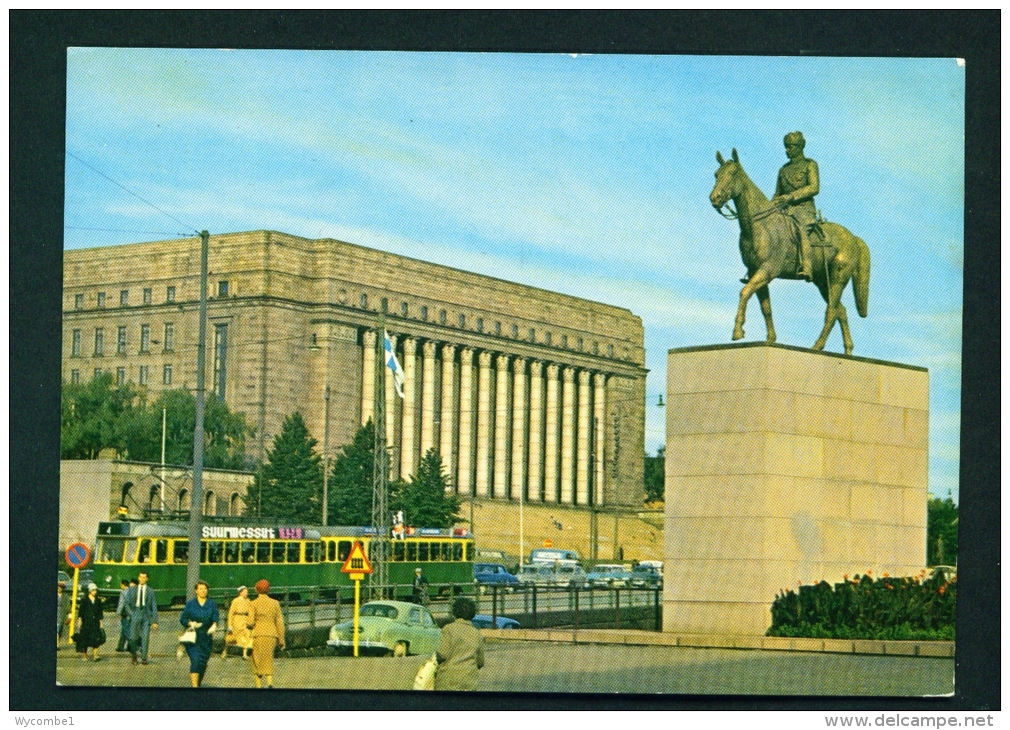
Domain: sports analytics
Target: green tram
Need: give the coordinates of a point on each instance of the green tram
(235, 553)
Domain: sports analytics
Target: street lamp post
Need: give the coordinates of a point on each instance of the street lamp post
(326, 452)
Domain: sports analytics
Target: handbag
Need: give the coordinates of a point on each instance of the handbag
(425, 677)
(188, 636)
(101, 636)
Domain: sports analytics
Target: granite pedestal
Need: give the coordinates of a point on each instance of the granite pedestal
(787, 466)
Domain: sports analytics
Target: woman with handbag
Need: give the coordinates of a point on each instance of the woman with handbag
(200, 617)
(89, 633)
(238, 630)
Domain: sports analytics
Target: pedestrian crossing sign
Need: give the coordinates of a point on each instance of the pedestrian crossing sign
(357, 562)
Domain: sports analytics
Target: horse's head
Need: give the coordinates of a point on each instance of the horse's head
(727, 181)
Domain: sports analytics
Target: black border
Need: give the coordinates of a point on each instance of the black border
(38, 43)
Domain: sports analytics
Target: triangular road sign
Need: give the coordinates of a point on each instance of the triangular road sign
(357, 561)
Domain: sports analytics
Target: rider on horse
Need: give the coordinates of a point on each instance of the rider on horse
(797, 185)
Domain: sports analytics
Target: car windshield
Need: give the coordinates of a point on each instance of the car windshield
(379, 609)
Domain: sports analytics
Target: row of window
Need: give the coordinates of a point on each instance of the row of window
(531, 334)
(147, 296)
(143, 375)
(169, 550)
(121, 340)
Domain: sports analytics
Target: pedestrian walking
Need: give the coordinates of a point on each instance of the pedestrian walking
(238, 629)
(199, 613)
(63, 605)
(142, 606)
(420, 590)
(124, 617)
(461, 651)
(267, 627)
(89, 633)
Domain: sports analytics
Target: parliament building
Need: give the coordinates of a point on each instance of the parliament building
(523, 392)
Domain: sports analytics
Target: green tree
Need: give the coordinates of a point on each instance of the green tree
(941, 531)
(289, 484)
(95, 415)
(350, 487)
(424, 499)
(654, 475)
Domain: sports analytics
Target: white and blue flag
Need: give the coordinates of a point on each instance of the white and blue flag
(392, 363)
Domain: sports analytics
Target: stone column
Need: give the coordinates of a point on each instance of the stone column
(551, 436)
(428, 399)
(483, 422)
(501, 413)
(536, 425)
(390, 401)
(599, 420)
(368, 378)
(518, 427)
(582, 442)
(567, 434)
(407, 424)
(465, 420)
(445, 435)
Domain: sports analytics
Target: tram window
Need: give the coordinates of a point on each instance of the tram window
(446, 551)
(111, 550)
(398, 551)
(161, 551)
(180, 551)
(131, 551)
(215, 551)
(294, 551)
(411, 552)
(457, 551)
(422, 552)
(469, 552)
(231, 552)
(331, 550)
(278, 552)
(344, 550)
(262, 552)
(248, 552)
(203, 551)
(436, 551)
(144, 553)
(310, 552)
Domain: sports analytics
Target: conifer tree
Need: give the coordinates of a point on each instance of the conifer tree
(289, 485)
(350, 488)
(424, 499)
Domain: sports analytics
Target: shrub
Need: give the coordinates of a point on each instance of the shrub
(908, 608)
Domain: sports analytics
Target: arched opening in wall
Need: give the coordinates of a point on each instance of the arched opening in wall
(183, 500)
(234, 505)
(154, 498)
(210, 504)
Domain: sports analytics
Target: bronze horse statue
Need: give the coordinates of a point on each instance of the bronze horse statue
(768, 246)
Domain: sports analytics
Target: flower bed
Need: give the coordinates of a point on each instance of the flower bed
(910, 608)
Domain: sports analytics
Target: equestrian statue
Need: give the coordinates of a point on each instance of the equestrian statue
(783, 238)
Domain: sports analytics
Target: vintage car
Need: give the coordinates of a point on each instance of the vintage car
(484, 621)
(608, 576)
(388, 627)
(646, 576)
(488, 574)
(561, 573)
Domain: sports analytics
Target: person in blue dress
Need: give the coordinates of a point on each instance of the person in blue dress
(199, 613)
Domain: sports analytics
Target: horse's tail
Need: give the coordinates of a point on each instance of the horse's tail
(861, 277)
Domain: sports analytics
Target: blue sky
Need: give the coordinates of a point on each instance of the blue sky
(584, 174)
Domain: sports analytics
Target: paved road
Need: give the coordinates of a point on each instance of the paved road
(514, 666)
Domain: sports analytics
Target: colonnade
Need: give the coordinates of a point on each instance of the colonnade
(505, 426)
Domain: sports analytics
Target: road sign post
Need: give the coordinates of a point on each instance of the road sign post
(357, 566)
(77, 556)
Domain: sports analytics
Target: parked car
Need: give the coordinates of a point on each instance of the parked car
(608, 576)
(646, 576)
(549, 555)
(491, 555)
(559, 573)
(488, 574)
(388, 627)
(63, 577)
(484, 621)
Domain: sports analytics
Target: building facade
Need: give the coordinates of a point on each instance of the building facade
(525, 393)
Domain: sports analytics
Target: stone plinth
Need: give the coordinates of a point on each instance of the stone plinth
(787, 466)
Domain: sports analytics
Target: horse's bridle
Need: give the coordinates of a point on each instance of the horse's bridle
(760, 215)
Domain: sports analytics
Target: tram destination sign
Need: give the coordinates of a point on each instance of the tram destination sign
(219, 532)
